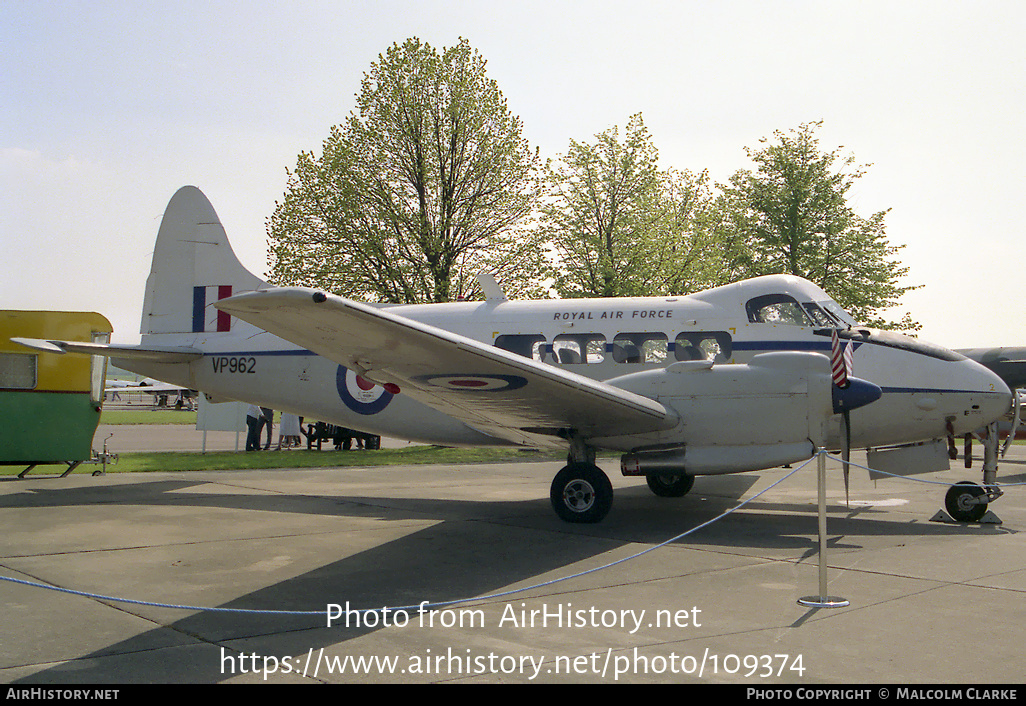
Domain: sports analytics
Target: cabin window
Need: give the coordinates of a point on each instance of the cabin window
(18, 371)
(776, 309)
(639, 348)
(703, 345)
(577, 348)
(531, 345)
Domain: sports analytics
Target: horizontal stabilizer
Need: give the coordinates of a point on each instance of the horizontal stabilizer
(112, 350)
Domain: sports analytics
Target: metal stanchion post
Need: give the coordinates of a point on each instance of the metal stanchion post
(822, 600)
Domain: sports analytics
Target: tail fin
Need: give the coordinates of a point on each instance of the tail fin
(193, 266)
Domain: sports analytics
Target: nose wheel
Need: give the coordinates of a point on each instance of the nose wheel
(966, 502)
(581, 493)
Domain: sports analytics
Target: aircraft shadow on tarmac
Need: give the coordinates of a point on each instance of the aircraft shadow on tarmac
(500, 543)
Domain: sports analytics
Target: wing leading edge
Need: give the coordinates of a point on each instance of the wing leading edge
(492, 390)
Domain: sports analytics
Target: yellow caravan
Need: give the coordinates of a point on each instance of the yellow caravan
(49, 403)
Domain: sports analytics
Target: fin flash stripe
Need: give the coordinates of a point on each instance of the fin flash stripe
(214, 320)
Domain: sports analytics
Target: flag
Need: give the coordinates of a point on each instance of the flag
(838, 364)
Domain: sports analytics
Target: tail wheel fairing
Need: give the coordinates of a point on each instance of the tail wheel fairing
(668, 485)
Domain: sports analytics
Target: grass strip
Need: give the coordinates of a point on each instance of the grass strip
(148, 416)
(232, 460)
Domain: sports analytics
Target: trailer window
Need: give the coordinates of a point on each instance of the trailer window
(18, 371)
(98, 368)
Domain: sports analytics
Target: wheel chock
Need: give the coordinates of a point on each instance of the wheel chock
(989, 518)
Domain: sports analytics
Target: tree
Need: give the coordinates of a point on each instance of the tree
(621, 227)
(791, 216)
(427, 183)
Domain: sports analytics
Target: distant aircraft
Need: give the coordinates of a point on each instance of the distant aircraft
(1008, 363)
(147, 385)
(736, 378)
(151, 386)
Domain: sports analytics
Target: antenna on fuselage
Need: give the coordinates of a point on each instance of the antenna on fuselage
(491, 288)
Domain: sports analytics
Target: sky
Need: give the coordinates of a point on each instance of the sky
(107, 108)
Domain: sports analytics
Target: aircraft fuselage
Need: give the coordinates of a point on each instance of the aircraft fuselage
(928, 391)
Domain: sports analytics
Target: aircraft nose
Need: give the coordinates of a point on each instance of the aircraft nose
(996, 398)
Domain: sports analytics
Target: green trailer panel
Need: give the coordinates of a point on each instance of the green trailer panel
(46, 427)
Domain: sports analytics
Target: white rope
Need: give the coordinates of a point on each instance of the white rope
(917, 480)
(254, 611)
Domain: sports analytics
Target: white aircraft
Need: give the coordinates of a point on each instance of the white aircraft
(146, 385)
(736, 378)
(161, 391)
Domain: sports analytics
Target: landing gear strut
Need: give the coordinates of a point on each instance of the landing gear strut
(966, 501)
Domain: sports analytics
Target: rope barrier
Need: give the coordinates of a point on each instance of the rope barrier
(492, 596)
(917, 480)
(365, 611)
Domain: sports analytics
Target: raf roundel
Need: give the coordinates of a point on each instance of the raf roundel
(475, 383)
(360, 395)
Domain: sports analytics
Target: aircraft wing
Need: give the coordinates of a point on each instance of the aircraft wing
(495, 391)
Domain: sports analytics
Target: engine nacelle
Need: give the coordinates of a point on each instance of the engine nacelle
(766, 413)
(709, 460)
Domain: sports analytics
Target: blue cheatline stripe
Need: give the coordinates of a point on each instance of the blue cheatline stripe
(781, 345)
(297, 351)
(199, 302)
(934, 390)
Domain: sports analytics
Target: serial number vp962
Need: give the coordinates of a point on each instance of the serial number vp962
(233, 364)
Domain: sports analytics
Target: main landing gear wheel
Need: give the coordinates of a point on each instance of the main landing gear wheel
(668, 485)
(581, 492)
(961, 502)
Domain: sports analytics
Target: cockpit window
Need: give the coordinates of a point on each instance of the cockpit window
(776, 309)
(820, 317)
(835, 310)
